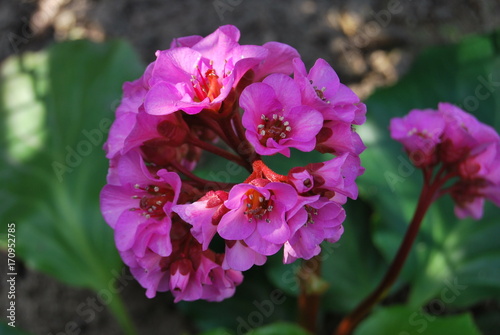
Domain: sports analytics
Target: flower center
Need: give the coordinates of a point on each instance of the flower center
(276, 128)
(152, 203)
(311, 213)
(206, 86)
(257, 205)
(320, 92)
(422, 134)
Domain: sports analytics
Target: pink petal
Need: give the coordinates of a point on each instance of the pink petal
(323, 75)
(286, 89)
(261, 246)
(240, 257)
(113, 203)
(126, 228)
(187, 41)
(256, 100)
(234, 225)
(307, 123)
(175, 65)
(163, 99)
(276, 230)
(279, 60)
(120, 129)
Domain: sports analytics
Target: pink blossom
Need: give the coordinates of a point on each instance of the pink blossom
(420, 132)
(301, 178)
(167, 218)
(334, 179)
(139, 209)
(257, 215)
(479, 180)
(322, 90)
(340, 107)
(316, 221)
(218, 282)
(200, 76)
(462, 133)
(274, 118)
(188, 273)
(203, 215)
(467, 149)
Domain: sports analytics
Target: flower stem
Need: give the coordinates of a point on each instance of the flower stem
(427, 196)
(219, 151)
(205, 120)
(260, 168)
(312, 288)
(200, 181)
(227, 126)
(239, 126)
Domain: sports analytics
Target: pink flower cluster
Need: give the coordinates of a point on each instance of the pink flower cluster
(465, 150)
(209, 96)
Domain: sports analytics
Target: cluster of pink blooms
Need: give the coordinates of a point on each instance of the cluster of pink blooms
(240, 102)
(464, 151)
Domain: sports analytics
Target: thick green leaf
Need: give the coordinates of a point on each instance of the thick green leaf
(352, 266)
(56, 109)
(455, 261)
(5, 329)
(254, 304)
(407, 321)
(218, 331)
(280, 328)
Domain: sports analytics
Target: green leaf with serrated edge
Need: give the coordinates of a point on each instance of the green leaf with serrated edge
(56, 108)
(408, 321)
(453, 260)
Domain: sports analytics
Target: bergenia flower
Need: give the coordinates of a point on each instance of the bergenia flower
(420, 132)
(466, 151)
(274, 118)
(333, 179)
(139, 209)
(258, 215)
(317, 221)
(211, 95)
(479, 180)
(202, 75)
(189, 273)
(340, 107)
(322, 90)
(204, 215)
(462, 133)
